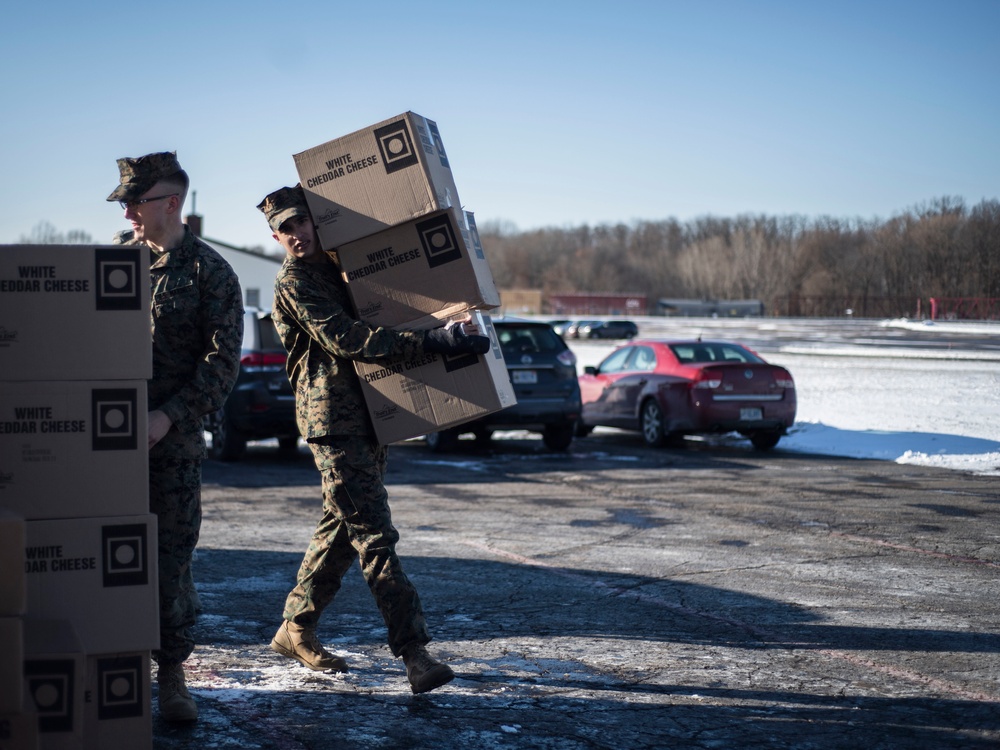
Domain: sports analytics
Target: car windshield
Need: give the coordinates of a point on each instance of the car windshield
(713, 352)
(520, 339)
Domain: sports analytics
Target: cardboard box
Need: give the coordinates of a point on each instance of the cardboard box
(11, 665)
(54, 671)
(74, 448)
(117, 710)
(419, 271)
(372, 179)
(12, 596)
(406, 399)
(100, 574)
(75, 312)
(18, 731)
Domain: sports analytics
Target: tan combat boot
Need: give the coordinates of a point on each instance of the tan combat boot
(176, 703)
(423, 672)
(297, 642)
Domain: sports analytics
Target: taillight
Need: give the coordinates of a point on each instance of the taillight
(787, 383)
(567, 358)
(263, 359)
(707, 380)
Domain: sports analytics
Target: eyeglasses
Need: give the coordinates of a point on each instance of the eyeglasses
(133, 204)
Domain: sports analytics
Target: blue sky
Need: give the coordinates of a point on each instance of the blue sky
(553, 114)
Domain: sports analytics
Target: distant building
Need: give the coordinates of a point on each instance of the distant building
(598, 303)
(710, 308)
(520, 301)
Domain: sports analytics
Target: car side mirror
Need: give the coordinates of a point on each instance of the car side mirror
(590, 370)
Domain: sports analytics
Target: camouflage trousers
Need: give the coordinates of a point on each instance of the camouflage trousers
(175, 498)
(356, 525)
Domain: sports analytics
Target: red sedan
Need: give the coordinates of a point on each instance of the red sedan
(668, 389)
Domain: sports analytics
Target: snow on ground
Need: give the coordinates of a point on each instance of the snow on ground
(930, 408)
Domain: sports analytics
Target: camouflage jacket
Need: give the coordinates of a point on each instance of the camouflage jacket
(197, 325)
(315, 319)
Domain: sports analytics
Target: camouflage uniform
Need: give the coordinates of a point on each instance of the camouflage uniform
(312, 314)
(197, 329)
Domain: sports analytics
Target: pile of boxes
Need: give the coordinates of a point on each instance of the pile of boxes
(384, 198)
(78, 574)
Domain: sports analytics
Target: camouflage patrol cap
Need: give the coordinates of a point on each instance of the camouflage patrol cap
(140, 174)
(283, 204)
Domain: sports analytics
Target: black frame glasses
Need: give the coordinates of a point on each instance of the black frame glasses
(132, 204)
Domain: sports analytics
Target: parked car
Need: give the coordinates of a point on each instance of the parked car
(573, 329)
(608, 329)
(262, 404)
(668, 389)
(560, 326)
(542, 371)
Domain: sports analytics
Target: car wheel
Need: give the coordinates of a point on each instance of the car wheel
(765, 439)
(557, 437)
(581, 429)
(651, 423)
(442, 442)
(228, 443)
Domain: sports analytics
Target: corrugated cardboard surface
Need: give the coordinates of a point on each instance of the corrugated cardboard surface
(11, 665)
(418, 271)
(12, 596)
(18, 731)
(73, 448)
(411, 398)
(74, 312)
(101, 575)
(374, 178)
(54, 678)
(118, 710)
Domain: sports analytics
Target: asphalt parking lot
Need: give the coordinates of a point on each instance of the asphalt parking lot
(618, 597)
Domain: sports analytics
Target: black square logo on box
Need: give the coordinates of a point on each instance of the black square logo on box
(453, 362)
(125, 555)
(437, 237)
(115, 419)
(396, 146)
(117, 279)
(119, 687)
(50, 689)
(438, 143)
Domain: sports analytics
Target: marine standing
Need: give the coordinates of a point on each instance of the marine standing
(197, 330)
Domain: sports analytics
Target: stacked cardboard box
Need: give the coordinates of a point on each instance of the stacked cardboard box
(78, 585)
(384, 198)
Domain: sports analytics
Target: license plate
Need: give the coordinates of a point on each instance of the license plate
(524, 376)
(751, 415)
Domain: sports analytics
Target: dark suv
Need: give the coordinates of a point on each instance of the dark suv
(608, 329)
(542, 370)
(262, 404)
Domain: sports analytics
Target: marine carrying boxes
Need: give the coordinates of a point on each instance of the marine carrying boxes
(74, 312)
(375, 178)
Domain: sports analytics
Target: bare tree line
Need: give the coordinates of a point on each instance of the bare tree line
(44, 233)
(793, 264)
